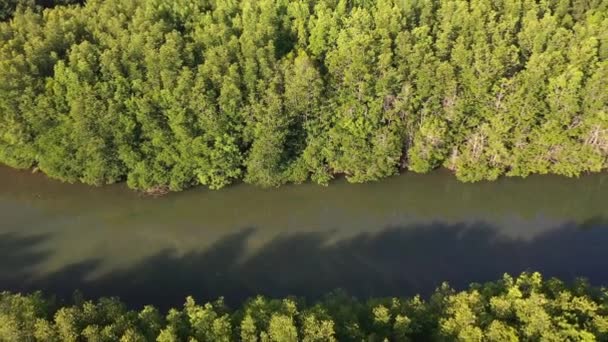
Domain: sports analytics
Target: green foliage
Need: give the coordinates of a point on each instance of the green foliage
(8, 7)
(512, 309)
(168, 94)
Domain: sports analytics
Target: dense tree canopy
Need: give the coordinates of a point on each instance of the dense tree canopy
(168, 94)
(8, 7)
(525, 308)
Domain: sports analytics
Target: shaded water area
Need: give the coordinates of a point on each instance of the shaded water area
(401, 236)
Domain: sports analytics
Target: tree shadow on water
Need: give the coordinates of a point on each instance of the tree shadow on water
(397, 261)
(17, 255)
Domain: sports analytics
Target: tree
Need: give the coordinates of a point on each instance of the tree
(167, 95)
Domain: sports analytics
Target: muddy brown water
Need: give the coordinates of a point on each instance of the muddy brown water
(400, 236)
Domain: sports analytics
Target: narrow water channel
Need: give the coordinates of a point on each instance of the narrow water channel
(400, 236)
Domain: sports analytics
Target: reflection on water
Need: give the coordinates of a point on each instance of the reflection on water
(400, 236)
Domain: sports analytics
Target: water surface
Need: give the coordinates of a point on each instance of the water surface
(400, 236)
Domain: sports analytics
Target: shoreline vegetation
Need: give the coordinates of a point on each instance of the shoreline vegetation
(523, 308)
(165, 95)
(158, 192)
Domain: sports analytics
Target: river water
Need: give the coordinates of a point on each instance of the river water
(401, 236)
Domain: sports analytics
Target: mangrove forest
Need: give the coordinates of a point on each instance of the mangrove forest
(170, 94)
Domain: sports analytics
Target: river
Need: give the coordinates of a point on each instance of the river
(401, 236)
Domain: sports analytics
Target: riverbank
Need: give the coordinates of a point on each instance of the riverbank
(161, 191)
(505, 310)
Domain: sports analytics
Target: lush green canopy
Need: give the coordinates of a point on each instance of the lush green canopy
(526, 308)
(8, 7)
(168, 94)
